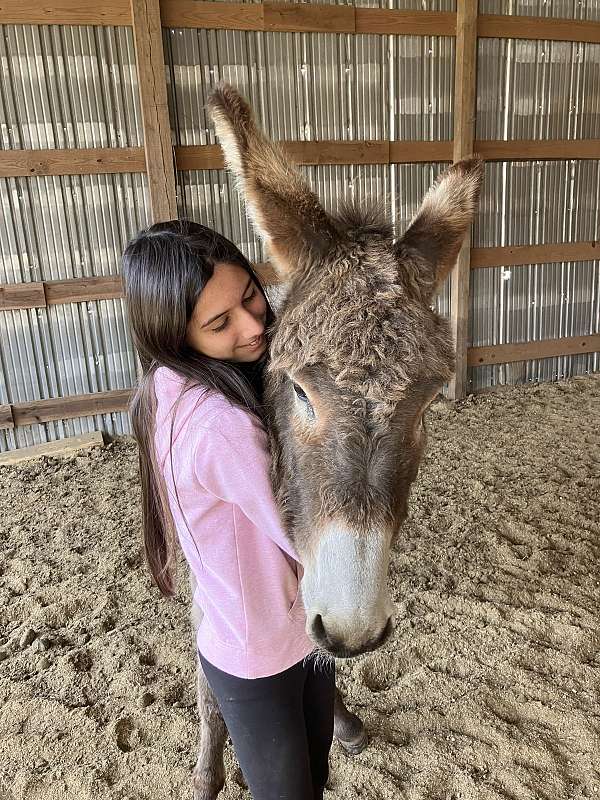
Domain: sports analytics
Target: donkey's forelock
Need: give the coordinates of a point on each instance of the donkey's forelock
(359, 318)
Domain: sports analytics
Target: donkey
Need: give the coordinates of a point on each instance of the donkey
(357, 355)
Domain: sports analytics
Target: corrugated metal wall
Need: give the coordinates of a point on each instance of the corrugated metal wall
(77, 87)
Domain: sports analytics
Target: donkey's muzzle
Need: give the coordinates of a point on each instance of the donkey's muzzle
(341, 649)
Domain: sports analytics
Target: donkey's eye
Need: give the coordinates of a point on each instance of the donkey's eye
(307, 405)
(300, 393)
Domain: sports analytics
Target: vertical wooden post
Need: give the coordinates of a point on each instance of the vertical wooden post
(147, 33)
(465, 88)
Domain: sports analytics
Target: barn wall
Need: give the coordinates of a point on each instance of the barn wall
(74, 87)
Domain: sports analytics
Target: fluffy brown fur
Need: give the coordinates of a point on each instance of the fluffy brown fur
(357, 353)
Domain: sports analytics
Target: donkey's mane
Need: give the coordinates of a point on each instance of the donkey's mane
(358, 218)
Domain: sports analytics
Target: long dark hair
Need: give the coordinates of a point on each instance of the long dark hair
(165, 267)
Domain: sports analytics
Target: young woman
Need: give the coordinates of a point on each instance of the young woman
(200, 322)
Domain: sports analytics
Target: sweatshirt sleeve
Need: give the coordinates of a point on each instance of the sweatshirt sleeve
(232, 462)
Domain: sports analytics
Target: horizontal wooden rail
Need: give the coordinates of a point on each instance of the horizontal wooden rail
(537, 149)
(71, 161)
(74, 161)
(500, 26)
(482, 257)
(85, 405)
(297, 17)
(15, 296)
(80, 405)
(528, 351)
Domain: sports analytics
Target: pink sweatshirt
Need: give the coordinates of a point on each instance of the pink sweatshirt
(230, 531)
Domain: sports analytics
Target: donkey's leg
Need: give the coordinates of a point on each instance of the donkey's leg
(348, 729)
(209, 773)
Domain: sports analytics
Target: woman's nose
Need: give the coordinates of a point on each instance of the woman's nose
(252, 326)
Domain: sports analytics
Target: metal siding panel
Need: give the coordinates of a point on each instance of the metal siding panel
(69, 86)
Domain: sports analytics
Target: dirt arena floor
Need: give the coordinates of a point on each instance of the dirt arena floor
(488, 690)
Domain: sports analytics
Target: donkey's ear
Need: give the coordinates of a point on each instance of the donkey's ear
(287, 215)
(437, 232)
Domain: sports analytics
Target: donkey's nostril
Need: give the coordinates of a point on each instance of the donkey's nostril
(318, 627)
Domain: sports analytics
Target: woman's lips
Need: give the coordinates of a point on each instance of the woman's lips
(257, 343)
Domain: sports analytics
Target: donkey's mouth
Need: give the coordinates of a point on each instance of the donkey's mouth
(340, 649)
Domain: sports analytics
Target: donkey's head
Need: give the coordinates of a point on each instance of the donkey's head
(356, 357)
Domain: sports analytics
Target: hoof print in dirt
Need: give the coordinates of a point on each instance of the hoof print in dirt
(127, 735)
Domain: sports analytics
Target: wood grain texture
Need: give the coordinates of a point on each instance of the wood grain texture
(80, 290)
(500, 26)
(83, 405)
(64, 12)
(482, 257)
(464, 134)
(74, 161)
(308, 18)
(21, 295)
(147, 34)
(6, 417)
(526, 351)
(537, 149)
(408, 23)
(214, 16)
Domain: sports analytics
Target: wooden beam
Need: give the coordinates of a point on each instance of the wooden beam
(464, 134)
(15, 163)
(21, 295)
(83, 290)
(64, 12)
(528, 351)
(108, 287)
(308, 18)
(505, 26)
(210, 156)
(410, 152)
(482, 257)
(71, 161)
(214, 16)
(407, 23)
(6, 417)
(60, 447)
(257, 16)
(147, 34)
(538, 149)
(81, 405)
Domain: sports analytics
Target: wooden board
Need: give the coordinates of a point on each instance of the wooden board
(6, 417)
(79, 290)
(500, 26)
(308, 18)
(71, 161)
(64, 12)
(21, 295)
(537, 149)
(147, 35)
(526, 351)
(81, 405)
(214, 16)
(482, 257)
(61, 447)
(464, 133)
(408, 23)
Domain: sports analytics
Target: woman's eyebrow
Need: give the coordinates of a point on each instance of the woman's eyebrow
(212, 319)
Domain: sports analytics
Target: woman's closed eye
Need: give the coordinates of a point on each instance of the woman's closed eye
(248, 299)
(222, 326)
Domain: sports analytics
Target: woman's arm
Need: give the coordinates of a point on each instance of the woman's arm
(232, 462)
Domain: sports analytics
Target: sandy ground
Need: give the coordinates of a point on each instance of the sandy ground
(489, 688)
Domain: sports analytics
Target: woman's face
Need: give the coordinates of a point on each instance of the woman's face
(228, 321)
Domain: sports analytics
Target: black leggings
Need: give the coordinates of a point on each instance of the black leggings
(281, 727)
